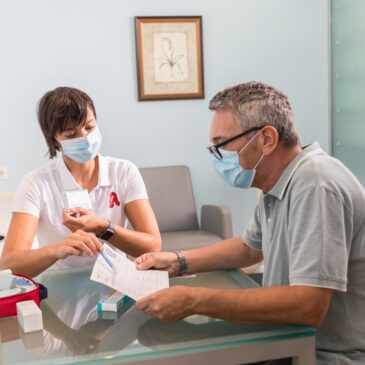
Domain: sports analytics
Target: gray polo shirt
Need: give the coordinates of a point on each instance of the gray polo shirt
(311, 229)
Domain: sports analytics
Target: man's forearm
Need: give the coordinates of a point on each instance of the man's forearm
(231, 253)
(282, 304)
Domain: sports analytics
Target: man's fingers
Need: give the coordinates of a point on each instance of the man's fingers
(142, 304)
(143, 266)
(145, 261)
(138, 260)
(155, 260)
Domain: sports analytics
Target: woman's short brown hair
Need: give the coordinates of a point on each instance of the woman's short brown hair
(61, 109)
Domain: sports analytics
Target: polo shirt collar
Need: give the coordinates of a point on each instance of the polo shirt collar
(279, 189)
(68, 181)
(104, 179)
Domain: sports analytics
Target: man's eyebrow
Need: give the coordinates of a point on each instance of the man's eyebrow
(217, 139)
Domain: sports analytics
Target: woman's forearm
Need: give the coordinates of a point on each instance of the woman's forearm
(28, 262)
(135, 243)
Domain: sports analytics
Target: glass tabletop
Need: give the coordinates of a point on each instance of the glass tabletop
(75, 332)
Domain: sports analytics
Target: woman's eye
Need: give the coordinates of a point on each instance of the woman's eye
(90, 127)
(69, 135)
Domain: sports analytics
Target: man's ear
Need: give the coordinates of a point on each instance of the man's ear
(270, 138)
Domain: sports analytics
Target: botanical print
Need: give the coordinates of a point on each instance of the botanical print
(170, 57)
(169, 54)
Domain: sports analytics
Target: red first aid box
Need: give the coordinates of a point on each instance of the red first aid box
(22, 288)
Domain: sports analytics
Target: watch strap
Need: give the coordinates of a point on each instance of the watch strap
(182, 263)
(108, 233)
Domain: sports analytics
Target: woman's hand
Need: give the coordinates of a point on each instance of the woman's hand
(83, 219)
(76, 244)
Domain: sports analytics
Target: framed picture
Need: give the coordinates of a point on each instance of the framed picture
(169, 51)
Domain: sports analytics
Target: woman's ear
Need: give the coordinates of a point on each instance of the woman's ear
(270, 139)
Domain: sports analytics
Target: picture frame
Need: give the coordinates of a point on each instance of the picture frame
(169, 55)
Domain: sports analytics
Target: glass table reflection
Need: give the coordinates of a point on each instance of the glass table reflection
(74, 331)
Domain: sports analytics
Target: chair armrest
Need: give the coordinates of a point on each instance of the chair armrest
(216, 219)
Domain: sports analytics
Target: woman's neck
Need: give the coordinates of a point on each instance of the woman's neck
(86, 174)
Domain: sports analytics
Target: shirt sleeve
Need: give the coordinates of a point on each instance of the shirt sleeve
(253, 233)
(318, 251)
(27, 198)
(135, 188)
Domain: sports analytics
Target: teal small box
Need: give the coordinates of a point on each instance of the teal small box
(116, 315)
(112, 301)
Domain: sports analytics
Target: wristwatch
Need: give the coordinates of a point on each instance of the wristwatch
(182, 263)
(108, 232)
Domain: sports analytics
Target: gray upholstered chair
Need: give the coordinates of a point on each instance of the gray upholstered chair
(172, 199)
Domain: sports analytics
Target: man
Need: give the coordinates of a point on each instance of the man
(309, 227)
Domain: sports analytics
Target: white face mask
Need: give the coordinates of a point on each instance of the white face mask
(83, 149)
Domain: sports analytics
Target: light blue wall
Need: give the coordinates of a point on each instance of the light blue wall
(89, 44)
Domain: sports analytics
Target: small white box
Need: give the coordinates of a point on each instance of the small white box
(77, 198)
(32, 341)
(6, 280)
(29, 316)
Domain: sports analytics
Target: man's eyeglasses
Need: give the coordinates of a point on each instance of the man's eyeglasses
(214, 149)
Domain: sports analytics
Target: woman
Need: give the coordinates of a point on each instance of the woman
(112, 188)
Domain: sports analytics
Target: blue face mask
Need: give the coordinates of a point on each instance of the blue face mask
(82, 149)
(230, 170)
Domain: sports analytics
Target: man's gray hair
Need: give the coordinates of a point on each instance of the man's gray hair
(256, 104)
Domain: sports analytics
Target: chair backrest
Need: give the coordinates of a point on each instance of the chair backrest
(171, 195)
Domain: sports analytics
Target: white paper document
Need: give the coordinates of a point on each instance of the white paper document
(124, 276)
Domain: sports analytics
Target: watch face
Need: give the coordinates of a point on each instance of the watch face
(108, 233)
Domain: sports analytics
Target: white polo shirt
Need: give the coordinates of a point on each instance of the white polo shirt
(40, 193)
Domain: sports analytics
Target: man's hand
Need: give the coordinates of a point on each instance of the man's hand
(167, 261)
(84, 219)
(169, 305)
(76, 244)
